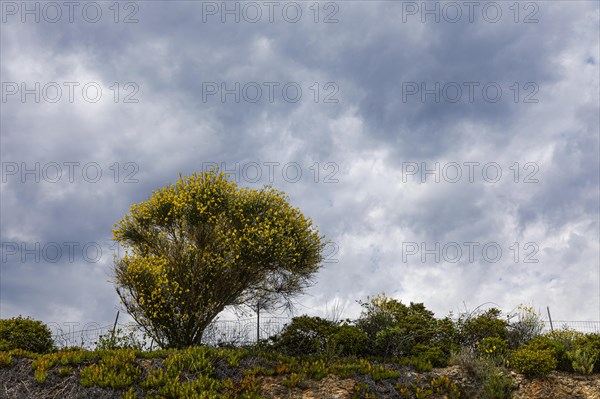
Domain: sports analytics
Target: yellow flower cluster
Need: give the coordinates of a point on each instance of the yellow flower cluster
(194, 241)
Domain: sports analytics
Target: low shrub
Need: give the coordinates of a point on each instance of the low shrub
(469, 361)
(350, 340)
(443, 386)
(493, 348)
(120, 339)
(116, 369)
(393, 342)
(497, 386)
(491, 382)
(294, 380)
(527, 326)
(195, 359)
(556, 346)
(582, 361)
(419, 363)
(590, 343)
(434, 354)
(533, 363)
(437, 387)
(305, 335)
(315, 370)
(42, 363)
(394, 328)
(25, 333)
(5, 359)
(474, 327)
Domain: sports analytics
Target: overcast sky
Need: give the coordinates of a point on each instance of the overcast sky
(449, 150)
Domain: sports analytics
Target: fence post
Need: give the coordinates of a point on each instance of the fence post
(115, 326)
(550, 318)
(257, 321)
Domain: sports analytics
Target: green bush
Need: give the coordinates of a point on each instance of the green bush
(556, 346)
(583, 361)
(590, 343)
(493, 348)
(497, 386)
(120, 339)
(392, 342)
(305, 335)
(474, 327)
(567, 338)
(443, 385)
(27, 334)
(350, 340)
(533, 363)
(476, 367)
(394, 328)
(116, 369)
(5, 359)
(527, 326)
(433, 354)
(377, 315)
(491, 384)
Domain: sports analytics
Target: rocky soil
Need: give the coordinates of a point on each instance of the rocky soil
(17, 381)
(556, 386)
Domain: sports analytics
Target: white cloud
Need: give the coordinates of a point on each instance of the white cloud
(351, 153)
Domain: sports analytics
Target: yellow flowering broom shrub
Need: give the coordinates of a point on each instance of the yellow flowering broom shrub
(204, 243)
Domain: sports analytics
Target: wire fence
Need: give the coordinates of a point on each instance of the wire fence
(587, 327)
(220, 332)
(243, 331)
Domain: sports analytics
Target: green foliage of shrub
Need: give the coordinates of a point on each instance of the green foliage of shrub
(470, 362)
(156, 354)
(247, 388)
(434, 354)
(305, 335)
(5, 359)
(346, 370)
(316, 370)
(120, 339)
(437, 387)
(533, 363)
(195, 359)
(42, 363)
(364, 367)
(189, 373)
(393, 342)
(497, 386)
(556, 346)
(493, 348)
(294, 380)
(200, 387)
(25, 333)
(527, 325)
(590, 343)
(129, 394)
(443, 386)
(491, 382)
(394, 328)
(582, 361)
(116, 369)
(25, 353)
(472, 328)
(204, 243)
(232, 356)
(377, 371)
(65, 371)
(350, 340)
(419, 363)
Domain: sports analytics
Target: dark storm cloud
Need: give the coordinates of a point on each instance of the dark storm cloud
(351, 152)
